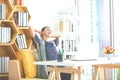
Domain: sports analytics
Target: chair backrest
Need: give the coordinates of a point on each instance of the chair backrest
(14, 70)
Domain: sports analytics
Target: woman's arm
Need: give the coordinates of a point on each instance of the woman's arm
(37, 30)
(32, 31)
(35, 37)
(55, 35)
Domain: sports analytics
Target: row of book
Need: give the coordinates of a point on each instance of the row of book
(21, 41)
(3, 78)
(21, 18)
(16, 2)
(66, 25)
(69, 45)
(2, 11)
(4, 64)
(5, 34)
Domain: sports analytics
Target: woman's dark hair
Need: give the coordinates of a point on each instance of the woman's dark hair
(44, 28)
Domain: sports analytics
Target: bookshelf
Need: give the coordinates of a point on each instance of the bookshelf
(22, 25)
(9, 29)
(69, 37)
(8, 37)
(69, 41)
(26, 33)
(8, 8)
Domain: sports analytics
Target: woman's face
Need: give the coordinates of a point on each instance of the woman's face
(46, 32)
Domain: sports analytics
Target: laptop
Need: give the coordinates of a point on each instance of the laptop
(87, 52)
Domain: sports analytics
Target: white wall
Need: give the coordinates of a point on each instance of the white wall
(45, 12)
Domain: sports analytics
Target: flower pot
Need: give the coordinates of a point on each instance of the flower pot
(109, 56)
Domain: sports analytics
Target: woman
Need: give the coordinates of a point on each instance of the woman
(46, 48)
(50, 45)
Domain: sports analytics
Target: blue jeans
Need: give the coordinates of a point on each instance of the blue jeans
(65, 76)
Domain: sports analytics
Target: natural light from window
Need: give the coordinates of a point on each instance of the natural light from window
(45, 12)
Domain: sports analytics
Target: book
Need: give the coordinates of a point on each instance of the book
(0, 34)
(5, 34)
(21, 41)
(3, 11)
(0, 11)
(7, 64)
(0, 65)
(24, 41)
(18, 41)
(3, 65)
(20, 2)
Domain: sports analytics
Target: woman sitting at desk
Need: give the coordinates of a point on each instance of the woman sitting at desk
(46, 49)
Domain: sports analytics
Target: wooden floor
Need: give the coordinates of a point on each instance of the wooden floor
(32, 79)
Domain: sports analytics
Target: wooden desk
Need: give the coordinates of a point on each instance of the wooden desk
(99, 69)
(55, 70)
(73, 67)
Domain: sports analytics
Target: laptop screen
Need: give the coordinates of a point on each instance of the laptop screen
(85, 52)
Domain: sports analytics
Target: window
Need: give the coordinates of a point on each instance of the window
(96, 21)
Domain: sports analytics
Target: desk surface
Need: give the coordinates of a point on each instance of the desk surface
(75, 63)
(54, 63)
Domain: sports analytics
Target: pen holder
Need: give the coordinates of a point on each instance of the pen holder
(60, 58)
